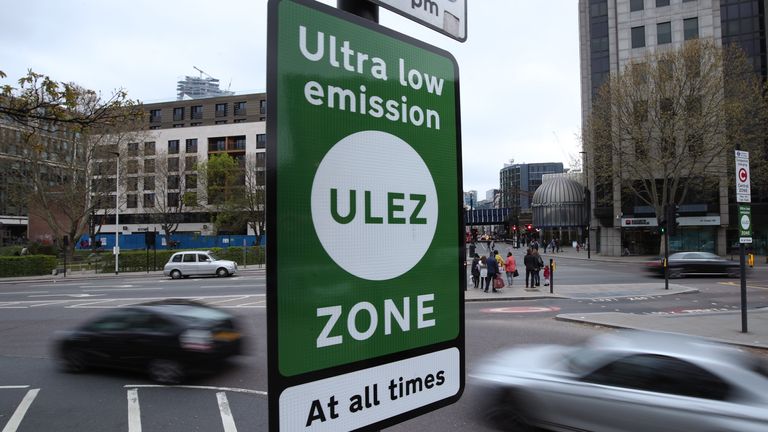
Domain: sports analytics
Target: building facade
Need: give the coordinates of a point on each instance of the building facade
(614, 32)
(159, 180)
(518, 182)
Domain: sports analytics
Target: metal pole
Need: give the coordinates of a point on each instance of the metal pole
(551, 276)
(117, 215)
(742, 251)
(361, 8)
(245, 260)
(666, 258)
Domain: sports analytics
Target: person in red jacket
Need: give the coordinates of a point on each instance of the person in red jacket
(510, 266)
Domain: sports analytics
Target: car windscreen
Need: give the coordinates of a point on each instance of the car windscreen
(195, 314)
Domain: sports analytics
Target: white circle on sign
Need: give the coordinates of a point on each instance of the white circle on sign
(374, 205)
(745, 222)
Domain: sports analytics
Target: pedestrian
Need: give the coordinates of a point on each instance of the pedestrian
(510, 267)
(546, 275)
(557, 245)
(488, 243)
(499, 261)
(552, 245)
(545, 246)
(539, 266)
(475, 270)
(530, 268)
(483, 271)
(493, 270)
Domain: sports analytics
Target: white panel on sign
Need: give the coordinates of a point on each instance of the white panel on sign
(743, 193)
(446, 16)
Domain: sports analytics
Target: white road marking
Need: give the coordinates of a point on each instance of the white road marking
(134, 411)
(21, 411)
(77, 295)
(120, 289)
(25, 292)
(53, 284)
(193, 387)
(226, 413)
(217, 302)
(13, 387)
(88, 304)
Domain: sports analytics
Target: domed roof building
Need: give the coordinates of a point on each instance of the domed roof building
(559, 203)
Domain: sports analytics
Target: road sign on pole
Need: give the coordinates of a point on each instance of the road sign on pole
(745, 223)
(364, 284)
(743, 194)
(448, 17)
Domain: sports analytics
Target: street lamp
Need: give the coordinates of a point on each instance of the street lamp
(587, 204)
(117, 212)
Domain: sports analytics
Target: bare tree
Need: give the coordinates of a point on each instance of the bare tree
(666, 125)
(175, 192)
(254, 196)
(63, 129)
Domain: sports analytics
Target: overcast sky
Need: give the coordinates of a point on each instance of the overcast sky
(519, 68)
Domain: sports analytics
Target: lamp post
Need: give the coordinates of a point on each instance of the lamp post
(117, 213)
(587, 204)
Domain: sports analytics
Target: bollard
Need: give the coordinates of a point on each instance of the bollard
(551, 276)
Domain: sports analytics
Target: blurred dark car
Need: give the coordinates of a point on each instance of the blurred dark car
(694, 263)
(169, 339)
(625, 382)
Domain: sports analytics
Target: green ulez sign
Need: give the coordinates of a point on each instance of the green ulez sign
(365, 291)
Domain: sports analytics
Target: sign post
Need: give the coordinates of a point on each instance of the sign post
(743, 195)
(364, 284)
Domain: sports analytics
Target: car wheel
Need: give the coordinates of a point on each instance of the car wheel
(72, 361)
(675, 273)
(166, 371)
(175, 274)
(506, 413)
(222, 272)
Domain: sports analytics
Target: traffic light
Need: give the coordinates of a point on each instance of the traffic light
(514, 227)
(529, 227)
(662, 228)
(671, 218)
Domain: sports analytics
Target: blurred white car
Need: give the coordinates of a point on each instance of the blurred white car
(197, 263)
(626, 382)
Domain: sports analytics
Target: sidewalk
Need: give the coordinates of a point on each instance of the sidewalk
(720, 326)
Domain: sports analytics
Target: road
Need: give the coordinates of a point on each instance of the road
(34, 396)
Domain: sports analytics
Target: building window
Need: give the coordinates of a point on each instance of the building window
(638, 37)
(173, 164)
(196, 124)
(196, 112)
(173, 182)
(636, 5)
(217, 144)
(131, 201)
(664, 33)
(149, 183)
(240, 120)
(149, 166)
(133, 149)
(154, 127)
(133, 166)
(239, 143)
(221, 110)
(133, 184)
(173, 199)
(261, 141)
(178, 125)
(149, 200)
(173, 146)
(191, 145)
(149, 148)
(221, 122)
(190, 163)
(155, 116)
(262, 106)
(240, 108)
(190, 181)
(662, 3)
(178, 114)
(690, 28)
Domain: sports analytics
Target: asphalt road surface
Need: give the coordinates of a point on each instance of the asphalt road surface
(35, 396)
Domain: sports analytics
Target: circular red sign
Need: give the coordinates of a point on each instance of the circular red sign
(742, 175)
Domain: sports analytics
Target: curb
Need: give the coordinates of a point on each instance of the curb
(586, 320)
